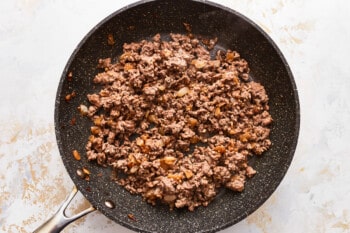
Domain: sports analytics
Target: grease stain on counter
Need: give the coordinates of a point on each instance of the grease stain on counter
(265, 27)
(304, 26)
(32, 173)
(278, 7)
(296, 33)
(262, 219)
(13, 228)
(342, 225)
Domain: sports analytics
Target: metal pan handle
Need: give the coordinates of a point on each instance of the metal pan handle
(60, 220)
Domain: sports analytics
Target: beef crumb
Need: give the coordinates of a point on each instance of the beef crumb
(110, 39)
(176, 125)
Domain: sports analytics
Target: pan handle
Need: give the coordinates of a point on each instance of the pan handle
(60, 220)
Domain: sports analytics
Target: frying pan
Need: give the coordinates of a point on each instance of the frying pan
(143, 20)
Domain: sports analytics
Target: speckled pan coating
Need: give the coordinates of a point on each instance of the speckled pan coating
(140, 21)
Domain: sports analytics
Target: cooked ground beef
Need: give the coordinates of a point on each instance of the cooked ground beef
(175, 124)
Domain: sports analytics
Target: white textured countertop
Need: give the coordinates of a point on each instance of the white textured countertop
(36, 39)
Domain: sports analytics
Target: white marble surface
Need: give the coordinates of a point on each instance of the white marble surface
(36, 39)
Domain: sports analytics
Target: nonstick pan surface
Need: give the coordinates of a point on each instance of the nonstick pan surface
(141, 21)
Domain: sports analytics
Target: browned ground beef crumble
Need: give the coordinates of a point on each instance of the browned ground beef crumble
(176, 125)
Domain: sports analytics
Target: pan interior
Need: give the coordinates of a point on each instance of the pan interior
(142, 21)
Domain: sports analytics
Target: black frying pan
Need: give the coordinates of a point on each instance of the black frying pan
(143, 20)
